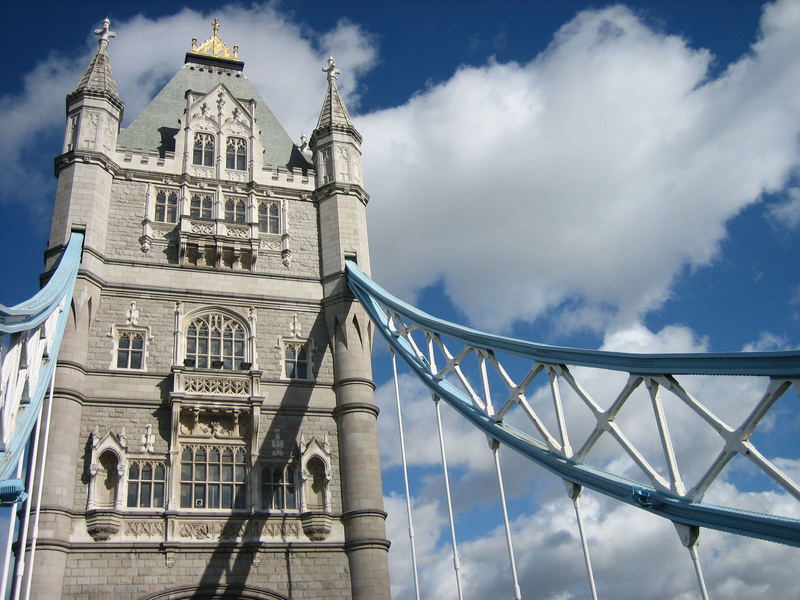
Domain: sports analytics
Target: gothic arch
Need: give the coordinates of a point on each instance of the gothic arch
(215, 592)
(200, 329)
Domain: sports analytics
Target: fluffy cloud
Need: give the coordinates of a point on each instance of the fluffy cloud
(548, 553)
(582, 181)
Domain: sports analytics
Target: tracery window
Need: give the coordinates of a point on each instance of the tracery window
(269, 220)
(278, 487)
(146, 481)
(215, 341)
(235, 211)
(166, 206)
(130, 349)
(201, 206)
(295, 360)
(203, 149)
(213, 477)
(236, 153)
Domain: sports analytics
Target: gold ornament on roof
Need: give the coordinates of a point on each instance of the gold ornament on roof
(214, 46)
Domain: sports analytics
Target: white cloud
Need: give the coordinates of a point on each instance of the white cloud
(584, 180)
(787, 213)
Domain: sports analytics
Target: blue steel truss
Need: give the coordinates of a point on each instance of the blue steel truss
(40, 318)
(396, 319)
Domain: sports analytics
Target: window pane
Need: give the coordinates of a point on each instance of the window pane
(290, 499)
(227, 496)
(186, 472)
(213, 496)
(240, 496)
(200, 455)
(124, 341)
(158, 494)
(144, 497)
(213, 472)
(186, 454)
(227, 472)
(133, 493)
(133, 471)
(200, 472)
(186, 495)
(136, 360)
(138, 342)
(239, 473)
(301, 371)
(199, 496)
(160, 472)
(122, 359)
(147, 471)
(227, 455)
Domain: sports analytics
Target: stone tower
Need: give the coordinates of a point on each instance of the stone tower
(214, 429)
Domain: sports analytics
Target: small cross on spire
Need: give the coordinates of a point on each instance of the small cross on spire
(331, 70)
(105, 34)
(215, 25)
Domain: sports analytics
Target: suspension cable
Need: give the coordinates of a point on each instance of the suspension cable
(437, 410)
(19, 566)
(39, 485)
(405, 476)
(495, 446)
(574, 492)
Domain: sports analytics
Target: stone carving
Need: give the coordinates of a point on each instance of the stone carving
(148, 438)
(270, 245)
(203, 228)
(316, 525)
(241, 233)
(228, 386)
(144, 528)
(233, 530)
(220, 425)
(101, 525)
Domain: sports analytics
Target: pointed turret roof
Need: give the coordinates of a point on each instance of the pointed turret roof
(98, 78)
(334, 112)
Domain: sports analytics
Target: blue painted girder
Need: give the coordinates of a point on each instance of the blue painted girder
(680, 510)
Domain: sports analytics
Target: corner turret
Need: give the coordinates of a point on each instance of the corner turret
(84, 169)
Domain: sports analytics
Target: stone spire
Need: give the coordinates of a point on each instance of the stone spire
(98, 80)
(334, 112)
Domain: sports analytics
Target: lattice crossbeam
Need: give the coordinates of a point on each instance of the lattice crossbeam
(469, 390)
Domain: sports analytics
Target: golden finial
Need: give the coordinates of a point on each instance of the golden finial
(214, 46)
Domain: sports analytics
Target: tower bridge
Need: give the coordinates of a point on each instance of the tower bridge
(187, 404)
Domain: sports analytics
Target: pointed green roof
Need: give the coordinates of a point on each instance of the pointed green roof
(155, 127)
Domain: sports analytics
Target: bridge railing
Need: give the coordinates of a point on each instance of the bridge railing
(502, 386)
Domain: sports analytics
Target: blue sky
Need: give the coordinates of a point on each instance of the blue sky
(604, 176)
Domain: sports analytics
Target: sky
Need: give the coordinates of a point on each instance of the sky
(616, 176)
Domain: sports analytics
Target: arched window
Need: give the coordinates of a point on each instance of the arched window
(202, 206)
(130, 350)
(295, 360)
(235, 210)
(277, 487)
(146, 482)
(215, 341)
(203, 149)
(236, 153)
(166, 206)
(269, 220)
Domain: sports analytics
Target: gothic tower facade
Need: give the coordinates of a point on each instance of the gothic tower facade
(214, 427)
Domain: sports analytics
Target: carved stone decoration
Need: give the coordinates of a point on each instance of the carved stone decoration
(316, 525)
(103, 524)
(217, 424)
(144, 528)
(212, 530)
